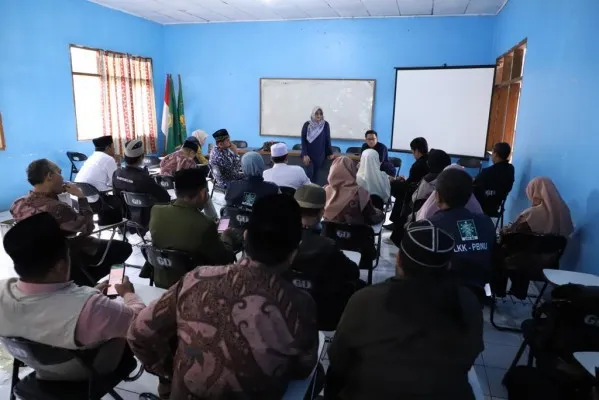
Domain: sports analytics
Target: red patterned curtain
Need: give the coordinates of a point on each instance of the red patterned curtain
(128, 106)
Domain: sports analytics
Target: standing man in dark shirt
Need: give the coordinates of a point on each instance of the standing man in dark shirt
(372, 142)
(493, 184)
(403, 188)
(133, 178)
(474, 234)
(320, 266)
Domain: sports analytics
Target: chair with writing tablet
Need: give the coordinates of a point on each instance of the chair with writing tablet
(238, 218)
(297, 147)
(471, 163)
(150, 161)
(336, 149)
(165, 259)
(212, 175)
(354, 150)
(353, 238)
(141, 202)
(42, 356)
(527, 255)
(75, 158)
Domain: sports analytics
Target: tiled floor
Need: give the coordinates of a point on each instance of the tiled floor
(491, 365)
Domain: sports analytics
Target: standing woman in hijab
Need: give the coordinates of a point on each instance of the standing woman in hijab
(316, 143)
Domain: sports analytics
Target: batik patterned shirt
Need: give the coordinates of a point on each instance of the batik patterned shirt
(176, 162)
(226, 166)
(235, 331)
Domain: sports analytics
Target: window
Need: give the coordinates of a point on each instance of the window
(506, 96)
(2, 145)
(113, 95)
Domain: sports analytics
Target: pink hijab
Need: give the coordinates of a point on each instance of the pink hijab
(430, 206)
(551, 215)
(343, 188)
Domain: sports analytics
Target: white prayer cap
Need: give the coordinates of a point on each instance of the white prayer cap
(278, 150)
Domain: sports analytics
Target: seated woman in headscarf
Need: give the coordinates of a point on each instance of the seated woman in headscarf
(371, 178)
(437, 161)
(200, 136)
(548, 215)
(243, 193)
(346, 201)
(430, 206)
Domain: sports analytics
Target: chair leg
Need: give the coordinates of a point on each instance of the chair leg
(370, 275)
(534, 307)
(519, 354)
(114, 394)
(16, 365)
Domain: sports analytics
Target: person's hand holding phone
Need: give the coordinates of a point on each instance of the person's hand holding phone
(124, 288)
(102, 286)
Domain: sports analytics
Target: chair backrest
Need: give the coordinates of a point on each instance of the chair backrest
(36, 354)
(238, 218)
(241, 144)
(76, 157)
(354, 150)
(287, 190)
(93, 196)
(168, 259)
(138, 200)
(300, 280)
(470, 162)
(167, 182)
(297, 147)
(534, 250)
(151, 161)
(336, 149)
(396, 161)
(572, 319)
(348, 237)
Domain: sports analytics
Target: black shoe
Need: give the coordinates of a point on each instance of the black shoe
(389, 227)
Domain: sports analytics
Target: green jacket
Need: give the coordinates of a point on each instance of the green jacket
(178, 226)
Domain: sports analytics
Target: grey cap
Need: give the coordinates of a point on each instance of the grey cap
(134, 148)
(310, 196)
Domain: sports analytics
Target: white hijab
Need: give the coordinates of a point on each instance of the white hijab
(370, 176)
(200, 135)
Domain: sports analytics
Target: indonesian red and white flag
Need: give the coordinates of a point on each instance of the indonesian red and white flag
(166, 108)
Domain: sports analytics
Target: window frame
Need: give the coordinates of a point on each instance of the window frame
(2, 138)
(99, 75)
(504, 85)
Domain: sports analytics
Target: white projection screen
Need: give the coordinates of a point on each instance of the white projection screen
(449, 106)
(286, 104)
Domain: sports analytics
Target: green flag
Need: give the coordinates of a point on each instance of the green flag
(173, 139)
(181, 113)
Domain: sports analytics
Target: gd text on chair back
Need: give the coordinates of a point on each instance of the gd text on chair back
(167, 182)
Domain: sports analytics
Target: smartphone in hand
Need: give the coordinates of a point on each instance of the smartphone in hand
(117, 274)
(223, 225)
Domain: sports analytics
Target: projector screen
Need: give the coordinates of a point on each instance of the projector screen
(286, 104)
(449, 106)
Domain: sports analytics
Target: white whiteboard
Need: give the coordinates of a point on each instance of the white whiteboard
(448, 106)
(286, 104)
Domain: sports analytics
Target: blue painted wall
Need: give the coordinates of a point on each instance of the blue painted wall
(36, 97)
(558, 129)
(221, 64)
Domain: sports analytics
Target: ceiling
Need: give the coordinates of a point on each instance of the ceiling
(203, 11)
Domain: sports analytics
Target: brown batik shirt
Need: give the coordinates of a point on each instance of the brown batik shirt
(237, 332)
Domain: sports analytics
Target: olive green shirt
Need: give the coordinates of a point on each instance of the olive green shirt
(182, 227)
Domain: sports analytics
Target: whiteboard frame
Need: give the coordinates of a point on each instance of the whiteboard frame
(446, 67)
(319, 79)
